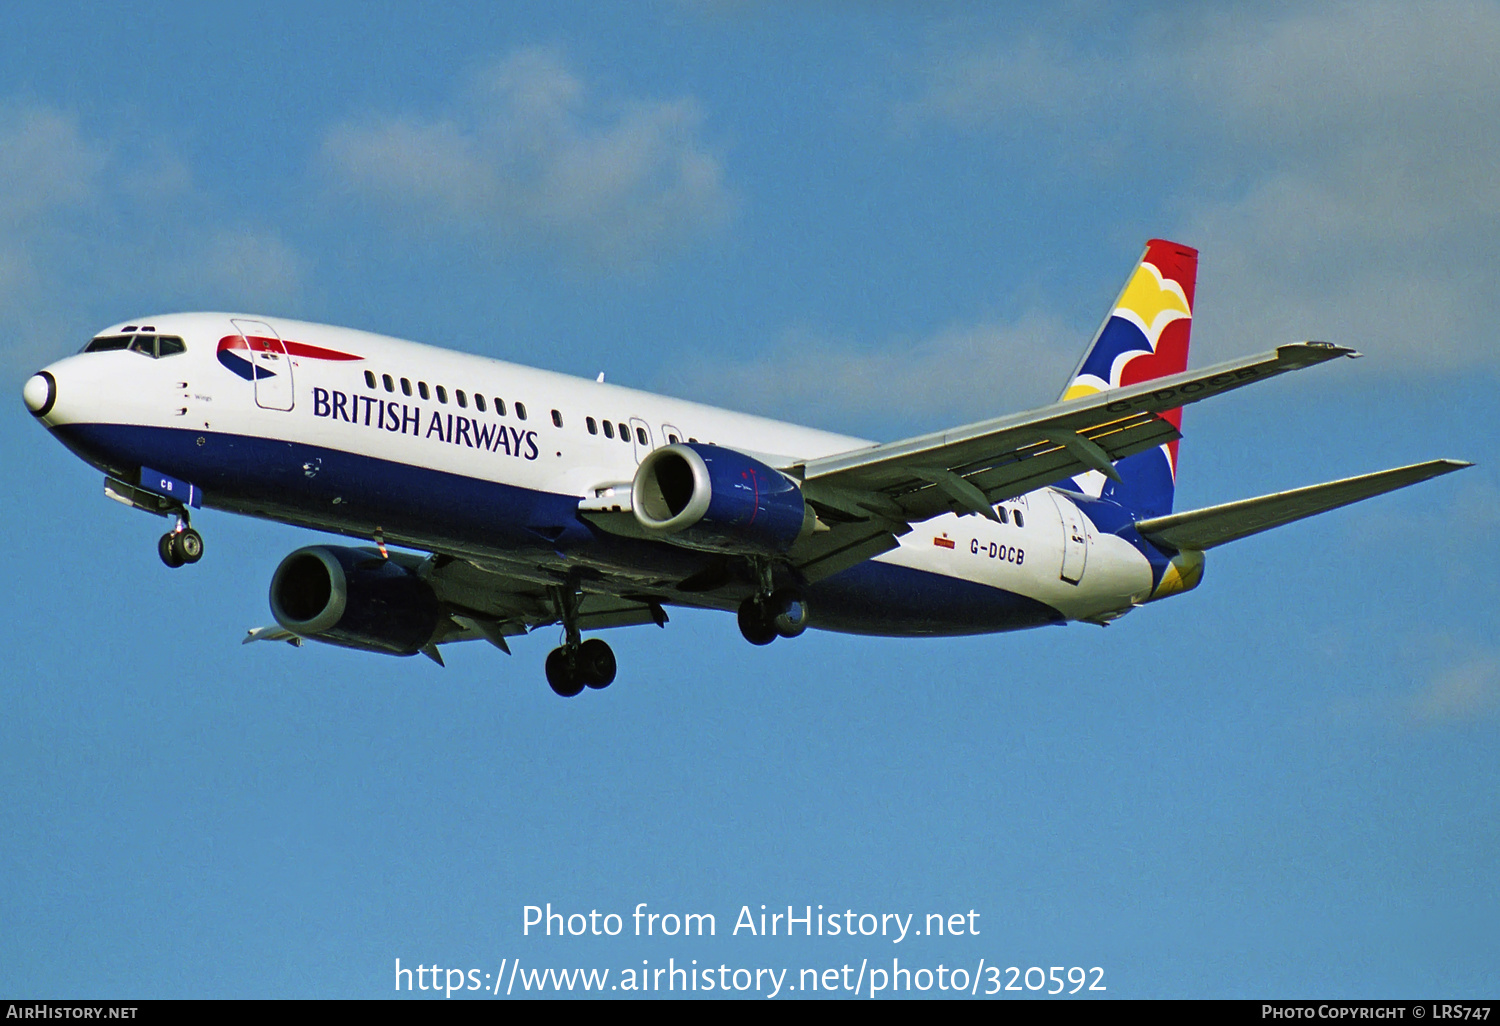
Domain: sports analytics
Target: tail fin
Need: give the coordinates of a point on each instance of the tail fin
(1144, 337)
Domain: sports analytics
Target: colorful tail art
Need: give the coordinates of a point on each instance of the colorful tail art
(1144, 337)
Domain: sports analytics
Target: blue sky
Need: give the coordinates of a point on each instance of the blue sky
(874, 219)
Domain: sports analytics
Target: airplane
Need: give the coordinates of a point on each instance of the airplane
(523, 498)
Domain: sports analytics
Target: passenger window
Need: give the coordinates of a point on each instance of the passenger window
(520, 411)
(369, 379)
(499, 407)
(593, 425)
(609, 430)
(479, 402)
(463, 400)
(442, 394)
(672, 438)
(145, 345)
(556, 419)
(167, 345)
(406, 386)
(1019, 521)
(640, 435)
(422, 390)
(105, 343)
(624, 433)
(1000, 512)
(390, 386)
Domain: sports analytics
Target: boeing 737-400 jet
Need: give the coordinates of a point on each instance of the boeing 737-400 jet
(529, 498)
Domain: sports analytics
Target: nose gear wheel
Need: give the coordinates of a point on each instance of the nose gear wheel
(179, 546)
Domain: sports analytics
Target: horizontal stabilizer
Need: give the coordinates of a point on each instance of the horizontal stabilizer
(1215, 525)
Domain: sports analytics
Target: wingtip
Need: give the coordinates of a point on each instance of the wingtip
(1305, 354)
(1337, 350)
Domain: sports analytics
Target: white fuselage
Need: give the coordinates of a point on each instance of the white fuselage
(437, 410)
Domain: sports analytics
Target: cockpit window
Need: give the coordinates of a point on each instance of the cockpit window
(154, 346)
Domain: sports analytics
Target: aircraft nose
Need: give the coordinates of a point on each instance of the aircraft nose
(40, 393)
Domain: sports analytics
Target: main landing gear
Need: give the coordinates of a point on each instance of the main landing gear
(577, 664)
(782, 614)
(181, 544)
(590, 664)
(773, 613)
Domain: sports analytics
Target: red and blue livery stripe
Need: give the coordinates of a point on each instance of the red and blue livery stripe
(231, 348)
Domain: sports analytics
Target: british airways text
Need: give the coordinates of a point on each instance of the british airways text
(407, 419)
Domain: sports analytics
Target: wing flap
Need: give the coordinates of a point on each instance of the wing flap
(493, 605)
(1041, 463)
(846, 545)
(1216, 525)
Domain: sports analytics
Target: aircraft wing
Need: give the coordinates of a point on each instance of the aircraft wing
(1215, 525)
(870, 496)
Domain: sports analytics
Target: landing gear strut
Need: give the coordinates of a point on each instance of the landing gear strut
(773, 613)
(577, 664)
(181, 544)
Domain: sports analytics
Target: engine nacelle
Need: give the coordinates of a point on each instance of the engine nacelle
(719, 500)
(354, 598)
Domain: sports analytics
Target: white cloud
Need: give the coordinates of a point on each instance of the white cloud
(1373, 218)
(248, 268)
(45, 165)
(67, 197)
(1343, 160)
(1406, 73)
(974, 83)
(960, 373)
(49, 174)
(1462, 693)
(528, 155)
(1458, 686)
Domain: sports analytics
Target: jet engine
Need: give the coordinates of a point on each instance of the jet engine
(719, 500)
(354, 598)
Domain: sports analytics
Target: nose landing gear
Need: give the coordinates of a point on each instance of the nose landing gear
(164, 496)
(181, 544)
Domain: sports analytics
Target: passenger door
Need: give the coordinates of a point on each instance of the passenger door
(269, 362)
